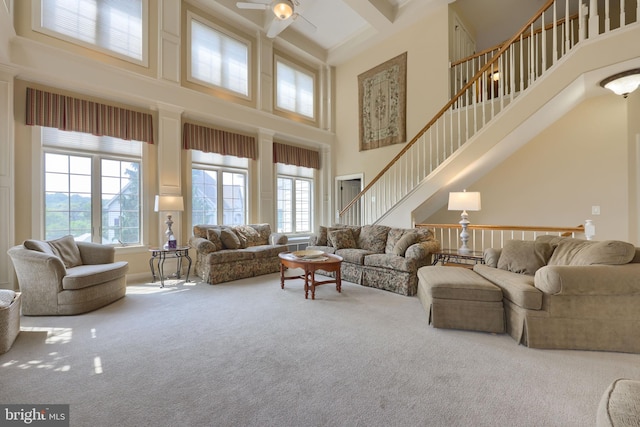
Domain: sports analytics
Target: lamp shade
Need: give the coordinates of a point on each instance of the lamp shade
(169, 203)
(464, 201)
(283, 9)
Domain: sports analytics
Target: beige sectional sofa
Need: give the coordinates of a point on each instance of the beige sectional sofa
(225, 253)
(378, 256)
(568, 293)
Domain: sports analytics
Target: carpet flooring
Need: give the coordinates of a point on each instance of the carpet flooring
(247, 353)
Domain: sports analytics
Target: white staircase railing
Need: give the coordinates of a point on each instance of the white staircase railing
(488, 82)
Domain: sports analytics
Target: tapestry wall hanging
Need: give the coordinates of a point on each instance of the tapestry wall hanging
(382, 93)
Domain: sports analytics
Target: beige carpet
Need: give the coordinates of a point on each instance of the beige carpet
(247, 353)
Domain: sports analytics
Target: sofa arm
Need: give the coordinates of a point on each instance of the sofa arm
(201, 245)
(95, 253)
(589, 279)
(422, 250)
(278, 239)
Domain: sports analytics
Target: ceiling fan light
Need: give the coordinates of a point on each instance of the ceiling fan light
(623, 83)
(283, 9)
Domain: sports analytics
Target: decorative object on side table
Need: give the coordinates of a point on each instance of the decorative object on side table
(169, 204)
(464, 201)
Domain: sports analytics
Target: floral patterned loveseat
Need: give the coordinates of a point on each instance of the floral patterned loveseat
(225, 253)
(377, 255)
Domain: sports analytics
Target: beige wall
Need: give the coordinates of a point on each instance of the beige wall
(427, 89)
(580, 161)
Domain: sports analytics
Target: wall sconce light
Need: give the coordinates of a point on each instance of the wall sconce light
(623, 83)
(283, 9)
(169, 204)
(463, 201)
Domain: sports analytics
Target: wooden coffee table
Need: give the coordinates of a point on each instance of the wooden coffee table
(327, 262)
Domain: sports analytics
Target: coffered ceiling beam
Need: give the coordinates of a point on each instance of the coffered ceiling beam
(379, 14)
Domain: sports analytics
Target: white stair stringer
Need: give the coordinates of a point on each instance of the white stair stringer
(565, 85)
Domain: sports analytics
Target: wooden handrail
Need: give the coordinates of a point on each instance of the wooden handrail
(564, 230)
(449, 104)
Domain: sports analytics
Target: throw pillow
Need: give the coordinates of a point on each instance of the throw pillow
(67, 250)
(213, 235)
(342, 238)
(40, 246)
(524, 256)
(585, 252)
(322, 236)
(229, 239)
(247, 235)
(403, 244)
(373, 238)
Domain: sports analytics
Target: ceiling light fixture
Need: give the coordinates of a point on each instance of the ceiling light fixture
(623, 83)
(283, 9)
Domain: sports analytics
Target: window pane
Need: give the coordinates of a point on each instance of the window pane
(115, 25)
(67, 212)
(233, 190)
(303, 206)
(120, 185)
(294, 90)
(204, 197)
(219, 59)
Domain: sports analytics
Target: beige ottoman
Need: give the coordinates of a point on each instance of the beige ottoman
(620, 405)
(9, 318)
(459, 298)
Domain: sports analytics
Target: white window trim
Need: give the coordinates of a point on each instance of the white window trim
(36, 25)
(220, 169)
(37, 195)
(192, 16)
(312, 200)
(312, 74)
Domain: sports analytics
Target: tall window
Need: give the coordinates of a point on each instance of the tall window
(117, 26)
(218, 59)
(294, 89)
(294, 199)
(91, 187)
(218, 189)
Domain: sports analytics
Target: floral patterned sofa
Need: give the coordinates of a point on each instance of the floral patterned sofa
(225, 253)
(377, 255)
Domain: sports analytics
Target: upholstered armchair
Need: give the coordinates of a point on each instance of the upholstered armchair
(63, 277)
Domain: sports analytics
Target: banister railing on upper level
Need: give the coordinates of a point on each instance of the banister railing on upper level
(514, 67)
(495, 236)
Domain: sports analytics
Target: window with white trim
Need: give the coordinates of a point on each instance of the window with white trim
(92, 187)
(294, 199)
(217, 58)
(218, 189)
(115, 26)
(295, 89)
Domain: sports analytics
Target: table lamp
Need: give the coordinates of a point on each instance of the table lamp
(464, 201)
(169, 204)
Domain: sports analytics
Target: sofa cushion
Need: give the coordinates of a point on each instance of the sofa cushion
(64, 248)
(524, 256)
(213, 235)
(229, 255)
(353, 256)
(342, 239)
(571, 251)
(517, 288)
(373, 238)
(327, 249)
(84, 276)
(403, 244)
(247, 235)
(229, 239)
(391, 262)
(265, 251)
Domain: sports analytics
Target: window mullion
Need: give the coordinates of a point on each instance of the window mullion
(96, 200)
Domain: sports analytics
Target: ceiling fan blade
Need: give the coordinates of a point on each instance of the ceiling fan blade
(277, 26)
(308, 25)
(259, 6)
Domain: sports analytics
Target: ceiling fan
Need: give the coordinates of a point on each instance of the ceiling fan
(284, 11)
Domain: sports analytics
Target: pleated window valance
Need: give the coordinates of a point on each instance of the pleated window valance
(79, 115)
(209, 140)
(291, 155)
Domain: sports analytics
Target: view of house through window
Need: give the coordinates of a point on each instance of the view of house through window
(114, 25)
(92, 195)
(218, 192)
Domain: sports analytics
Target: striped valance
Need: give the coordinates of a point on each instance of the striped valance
(291, 155)
(209, 140)
(79, 115)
